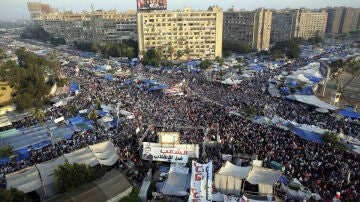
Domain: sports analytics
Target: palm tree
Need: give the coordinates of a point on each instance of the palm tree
(93, 115)
(179, 54)
(171, 51)
(187, 52)
(71, 109)
(38, 114)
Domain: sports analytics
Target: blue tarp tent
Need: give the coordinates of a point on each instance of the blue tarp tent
(76, 120)
(313, 78)
(350, 114)
(109, 77)
(307, 90)
(22, 154)
(284, 90)
(101, 113)
(4, 160)
(158, 87)
(74, 87)
(40, 145)
(128, 82)
(292, 83)
(257, 67)
(307, 135)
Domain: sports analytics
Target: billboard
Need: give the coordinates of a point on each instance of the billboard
(151, 4)
(174, 155)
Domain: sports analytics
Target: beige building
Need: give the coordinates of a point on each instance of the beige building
(249, 27)
(309, 23)
(98, 26)
(200, 32)
(342, 20)
(36, 8)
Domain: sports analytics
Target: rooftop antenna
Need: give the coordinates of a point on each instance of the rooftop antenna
(92, 7)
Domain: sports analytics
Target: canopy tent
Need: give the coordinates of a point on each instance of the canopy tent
(105, 153)
(262, 120)
(312, 100)
(350, 114)
(112, 187)
(76, 120)
(228, 179)
(36, 139)
(59, 134)
(82, 156)
(265, 178)
(176, 184)
(26, 180)
(46, 169)
(74, 87)
(9, 133)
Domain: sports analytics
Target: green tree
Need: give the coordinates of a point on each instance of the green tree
(14, 195)
(71, 109)
(179, 54)
(187, 52)
(171, 51)
(219, 60)
(205, 64)
(236, 47)
(6, 151)
(2, 53)
(332, 140)
(70, 176)
(133, 197)
(93, 115)
(289, 47)
(38, 114)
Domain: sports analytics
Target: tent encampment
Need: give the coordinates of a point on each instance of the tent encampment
(265, 178)
(25, 180)
(228, 179)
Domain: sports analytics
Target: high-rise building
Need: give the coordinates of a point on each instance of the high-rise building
(249, 27)
(37, 8)
(282, 25)
(349, 20)
(96, 26)
(334, 20)
(197, 31)
(309, 23)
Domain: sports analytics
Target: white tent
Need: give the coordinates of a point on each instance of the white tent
(26, 180)
(312, 100)
(265, 178)
(105, 153)
(228, 179)
(46, 169)
(82, 156)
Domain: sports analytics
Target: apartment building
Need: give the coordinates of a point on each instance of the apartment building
(249, 27)
(36, 8)
(309, 23)
(282, 25)
(197, 31)
(342, 20)
(97, 26)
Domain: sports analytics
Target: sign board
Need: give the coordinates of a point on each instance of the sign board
(193, 149)
(201, 182)
(151, 4)
(169, 137)
(174, 155)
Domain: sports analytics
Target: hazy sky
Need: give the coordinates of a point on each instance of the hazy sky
(17, 9)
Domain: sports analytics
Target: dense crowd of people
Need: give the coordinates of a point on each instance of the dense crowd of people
(322, 169)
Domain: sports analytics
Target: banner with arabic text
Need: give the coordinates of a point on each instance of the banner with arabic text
(174, 155)
(201, 182)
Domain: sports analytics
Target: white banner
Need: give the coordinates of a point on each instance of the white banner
(174, 155)
(193, 149)
(201, 182)
(229, 198)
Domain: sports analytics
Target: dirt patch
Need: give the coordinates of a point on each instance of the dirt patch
(5, 93)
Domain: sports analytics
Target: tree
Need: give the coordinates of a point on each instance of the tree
(93, 115)
(133, 197)
(70, 176)
(289, 47)
(2, 53)
(219, 60)
(14, 195)
(236, 47)
(171, 51)
(205, 64)
(6, 151)
(332, 140)
(179, 54)
(38, 114)
(71, 109)
(187, 52)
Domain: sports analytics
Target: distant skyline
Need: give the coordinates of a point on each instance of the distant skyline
(17, 9)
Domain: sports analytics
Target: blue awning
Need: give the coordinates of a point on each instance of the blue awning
(350, 114)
